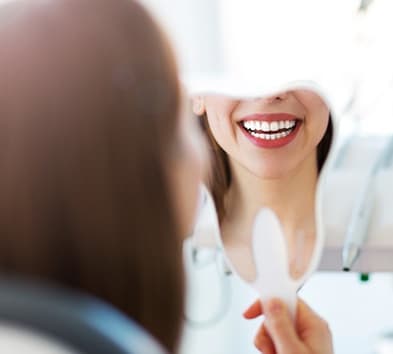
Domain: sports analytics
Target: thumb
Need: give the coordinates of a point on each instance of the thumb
(281, 327)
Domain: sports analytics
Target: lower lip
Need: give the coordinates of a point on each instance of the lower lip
(271, 144)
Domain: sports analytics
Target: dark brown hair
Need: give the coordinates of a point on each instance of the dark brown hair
(89, 111)
(219, 178)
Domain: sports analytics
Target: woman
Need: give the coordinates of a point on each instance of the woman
(267, 152)
(92, 139)
(99, 166)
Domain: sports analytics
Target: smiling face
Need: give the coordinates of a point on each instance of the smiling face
(271, 136)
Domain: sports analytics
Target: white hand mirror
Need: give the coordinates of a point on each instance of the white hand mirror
(269, 153)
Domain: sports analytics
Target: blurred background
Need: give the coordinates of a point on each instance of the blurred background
(347, 47)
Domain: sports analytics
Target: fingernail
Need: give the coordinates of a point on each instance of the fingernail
(246, 314)
(274, 307)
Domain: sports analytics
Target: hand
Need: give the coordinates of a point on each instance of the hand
(309, 334)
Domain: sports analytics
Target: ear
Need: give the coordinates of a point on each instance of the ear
(198, 105)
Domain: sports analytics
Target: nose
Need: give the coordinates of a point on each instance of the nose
(277, 98)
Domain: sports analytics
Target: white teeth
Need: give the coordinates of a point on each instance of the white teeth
(271, 136)
(290, 124)
(274, 126)
(265, 127)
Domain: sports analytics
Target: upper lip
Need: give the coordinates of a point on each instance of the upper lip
(270, 117)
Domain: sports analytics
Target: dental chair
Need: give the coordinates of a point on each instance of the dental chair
(38, 319)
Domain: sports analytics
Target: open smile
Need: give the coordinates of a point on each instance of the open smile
(270, 130)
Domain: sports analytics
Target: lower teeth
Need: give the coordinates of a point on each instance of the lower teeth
(271, 136)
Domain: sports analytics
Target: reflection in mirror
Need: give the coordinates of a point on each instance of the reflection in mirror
(266, 152)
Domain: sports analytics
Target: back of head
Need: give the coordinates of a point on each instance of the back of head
(88, 109)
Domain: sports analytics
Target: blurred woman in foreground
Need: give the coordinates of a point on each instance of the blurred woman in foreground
(99, 164)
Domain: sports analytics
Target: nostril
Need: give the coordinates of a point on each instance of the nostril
(277, 98)
(282, 96)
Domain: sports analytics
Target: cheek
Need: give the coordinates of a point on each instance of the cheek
(222, 130)
(317, 127)
(317, 113)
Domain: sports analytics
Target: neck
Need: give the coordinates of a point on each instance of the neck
(291, 197)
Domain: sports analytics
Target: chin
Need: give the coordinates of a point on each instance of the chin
(270, 171)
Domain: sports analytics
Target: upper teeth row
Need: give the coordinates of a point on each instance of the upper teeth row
(269, 126)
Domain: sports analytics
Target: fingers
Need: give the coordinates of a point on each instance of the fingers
(254, 310)
(304, 315)
(281, 328)
(280, 335)
(308, 319)
(312, 328)
(263, 341)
